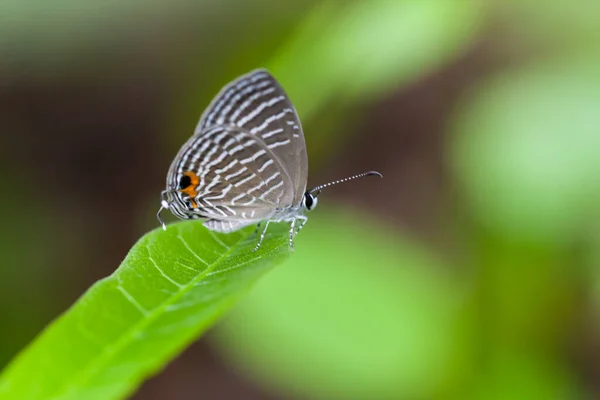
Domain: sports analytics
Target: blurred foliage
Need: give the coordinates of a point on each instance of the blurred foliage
(339, 323)
(349, 52)
(169, 289)
(510, 310)
(65, 37)
(18, 261)
(369, 47)
(555, 30)
(533, 135)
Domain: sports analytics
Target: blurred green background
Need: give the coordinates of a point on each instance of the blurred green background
(472, 271)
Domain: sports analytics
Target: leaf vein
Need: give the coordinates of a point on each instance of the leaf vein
(167, 277)
(132, 300)
(219, 241)
(192, 251)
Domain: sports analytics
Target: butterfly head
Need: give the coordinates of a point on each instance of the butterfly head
(309, 201)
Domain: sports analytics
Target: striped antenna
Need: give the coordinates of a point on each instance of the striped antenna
(317, 189)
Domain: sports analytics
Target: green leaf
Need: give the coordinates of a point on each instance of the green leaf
(169, 289)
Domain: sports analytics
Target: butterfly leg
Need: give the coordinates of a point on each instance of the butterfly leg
(303, 219)
(257, 228)
(292, 233)
(262, 236)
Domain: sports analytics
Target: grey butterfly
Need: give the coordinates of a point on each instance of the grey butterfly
(246, 162)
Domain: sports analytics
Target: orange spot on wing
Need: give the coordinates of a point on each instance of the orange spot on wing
(191, 189)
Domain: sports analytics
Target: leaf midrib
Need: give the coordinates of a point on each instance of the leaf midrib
(129, 335)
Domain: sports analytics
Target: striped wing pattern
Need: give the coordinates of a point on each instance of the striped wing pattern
(238, 179)
(248, 152)
(257, 104)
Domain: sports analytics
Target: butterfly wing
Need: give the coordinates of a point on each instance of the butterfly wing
(256, 104)
(235, 178)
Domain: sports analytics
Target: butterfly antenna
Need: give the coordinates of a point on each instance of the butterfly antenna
(318, 189)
